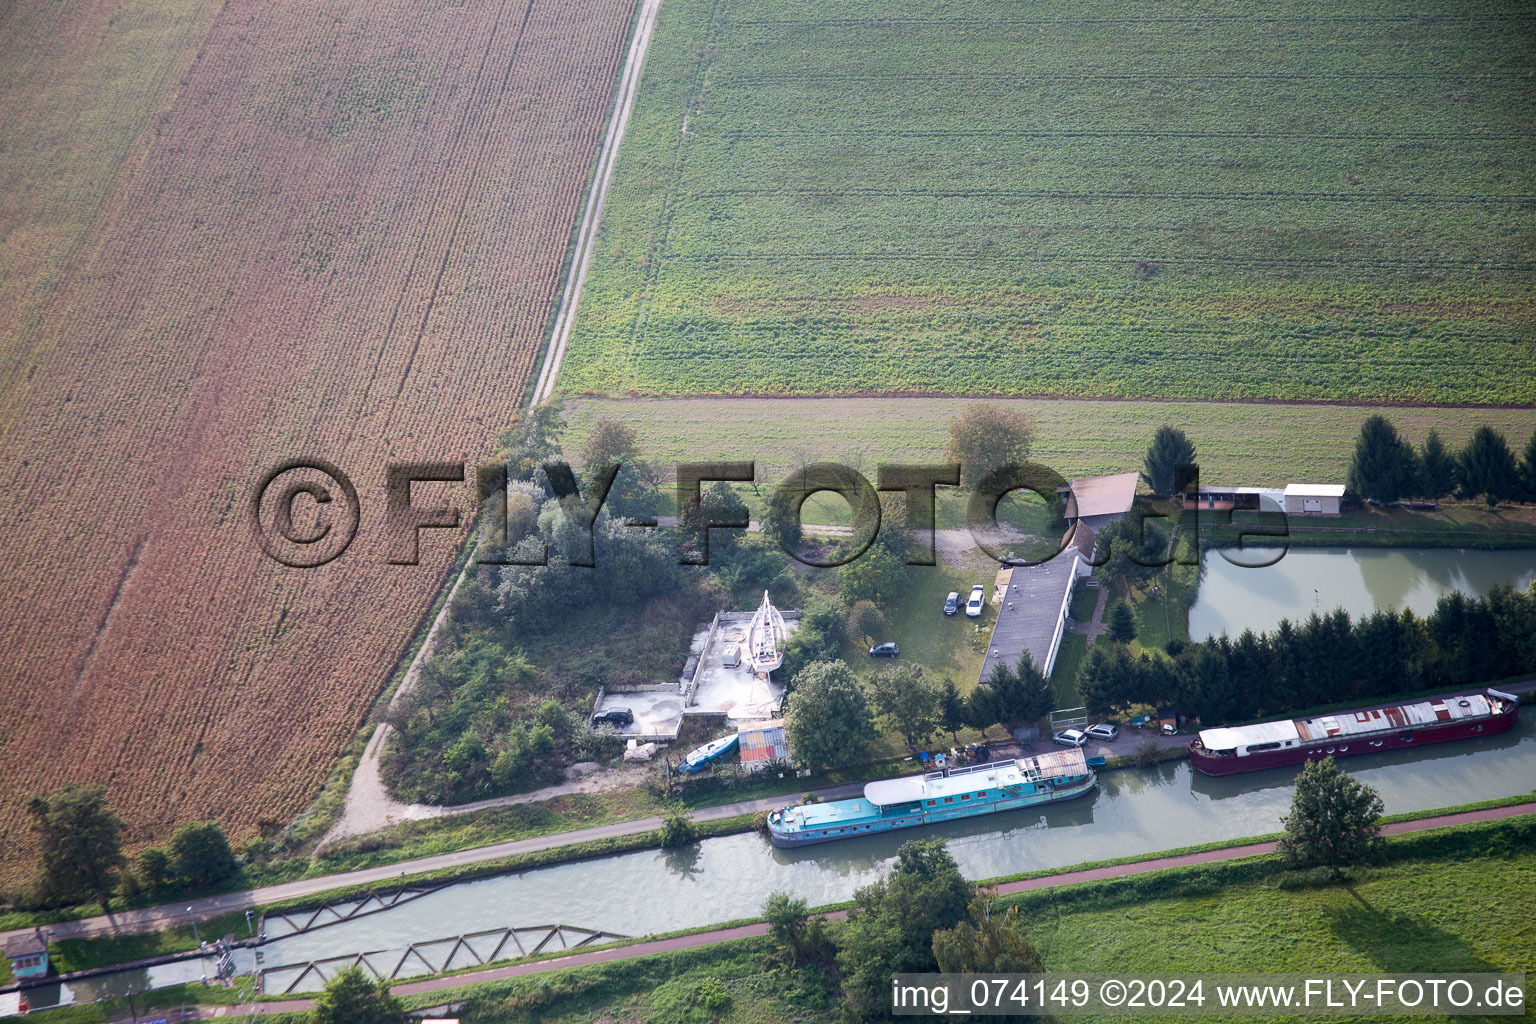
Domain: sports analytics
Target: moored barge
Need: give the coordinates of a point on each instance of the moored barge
(1246, 748)
(937, 796)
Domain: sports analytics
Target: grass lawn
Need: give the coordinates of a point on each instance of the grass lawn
(1470, 913)
(1248, 444)
(1435, 916)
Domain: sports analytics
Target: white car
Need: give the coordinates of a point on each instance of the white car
(1104, 731)
(1071, 737)
(978, 599)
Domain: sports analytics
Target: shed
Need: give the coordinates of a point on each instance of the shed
(1313, 499)
(28, 954)
(1100, 499)
(762, 742)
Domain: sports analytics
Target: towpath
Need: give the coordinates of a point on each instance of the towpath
(709, 938)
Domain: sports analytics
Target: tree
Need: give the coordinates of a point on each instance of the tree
(991, 942)
(1122, 624)
(865, 621)
(951, 709)
(890, 930)
(1528, 471)
(801, 939)
(907, 701)
(200, 854)
(781, 520)
(1333, 820)
(352, 997)
(1383, 467)
(1023, 693)
(80, 849)
(154, 868)
(983, 709)
(1131, 549)
(826, 718)
(609, 441)
(1170, 449)
(1437, 469)
(1486, 467)
(985, 437)
(532, 439)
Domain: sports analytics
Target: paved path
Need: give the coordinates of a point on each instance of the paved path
(709, 938)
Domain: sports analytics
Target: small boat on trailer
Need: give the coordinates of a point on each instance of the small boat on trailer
(914, 800)
(702, 757)
(1247, 748)
(765, 638)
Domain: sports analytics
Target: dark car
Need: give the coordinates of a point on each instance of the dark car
(952, 603)
(613, 716)
(885, 650)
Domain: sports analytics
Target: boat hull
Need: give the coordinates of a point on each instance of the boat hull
(1418, 736)
(815, 837)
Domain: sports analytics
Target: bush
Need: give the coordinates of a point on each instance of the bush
(1148, 753)
(200, 854)
(677, 829)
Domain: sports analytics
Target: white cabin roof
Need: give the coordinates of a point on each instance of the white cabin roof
(1314, 490)
(970, 779)
(1247, 735)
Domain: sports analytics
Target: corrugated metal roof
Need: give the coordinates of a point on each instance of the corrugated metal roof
(935, 785)
(1364, 722)
(763, 741)
(1314, 490)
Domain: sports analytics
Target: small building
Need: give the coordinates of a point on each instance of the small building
(761, 743)
(1097, 500)
(28, 954)
(1314, 499)
(1237, 499)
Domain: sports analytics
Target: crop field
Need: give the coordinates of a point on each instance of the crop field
(1237, 444)
(238, 234)
(1111, 198)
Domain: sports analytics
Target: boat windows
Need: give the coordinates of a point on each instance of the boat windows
(1254, 748)
(981, 794)
(949, 799)
(1406, 737)
(965, 796)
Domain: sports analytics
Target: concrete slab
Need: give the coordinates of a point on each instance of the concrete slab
(735, 692)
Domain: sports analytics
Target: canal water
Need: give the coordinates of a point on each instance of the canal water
(1134, 811)
(1359, 580)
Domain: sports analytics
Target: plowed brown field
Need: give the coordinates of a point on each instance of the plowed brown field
(254, 232)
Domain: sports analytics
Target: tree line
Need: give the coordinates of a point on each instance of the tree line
(830, 717)
(1386, 468)
(1325, 660)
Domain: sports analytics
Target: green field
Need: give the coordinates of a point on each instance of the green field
(1104, 198)
(1238, 444)
(1420, 915)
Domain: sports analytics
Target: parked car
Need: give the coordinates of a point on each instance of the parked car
(613, 716)
(952, 602)
(1071, 737)
(885, 650)
(978, 599)
(1104, 731)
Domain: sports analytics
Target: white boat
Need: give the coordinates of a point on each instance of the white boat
(765, 638)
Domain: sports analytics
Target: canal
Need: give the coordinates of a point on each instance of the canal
(1134, 811)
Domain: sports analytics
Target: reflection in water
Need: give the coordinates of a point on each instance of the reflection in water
(1132, 812)
(1359, 580)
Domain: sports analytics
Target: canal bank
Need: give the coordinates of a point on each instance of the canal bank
(447, 991)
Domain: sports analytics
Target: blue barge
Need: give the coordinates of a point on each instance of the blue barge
(937, 796)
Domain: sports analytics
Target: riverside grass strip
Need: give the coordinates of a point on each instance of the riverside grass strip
(1294, 201)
